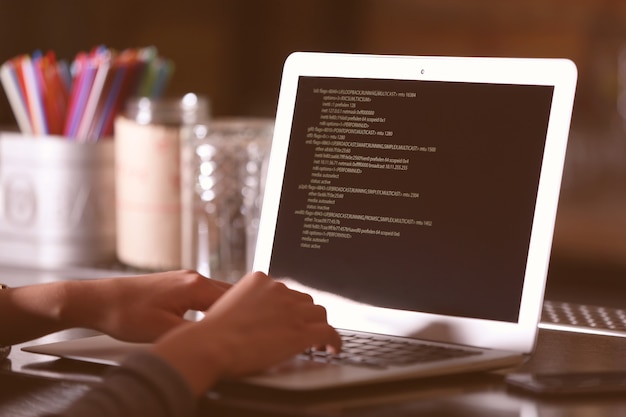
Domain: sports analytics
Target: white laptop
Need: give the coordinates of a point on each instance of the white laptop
(415, 198)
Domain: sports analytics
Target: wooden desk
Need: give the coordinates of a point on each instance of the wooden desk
(33, 384)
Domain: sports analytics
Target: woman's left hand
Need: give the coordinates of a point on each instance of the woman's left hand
(141, 308)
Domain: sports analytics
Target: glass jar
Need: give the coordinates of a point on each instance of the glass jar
(147, 174)
(224, 167)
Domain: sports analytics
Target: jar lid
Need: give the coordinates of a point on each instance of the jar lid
(187, 109)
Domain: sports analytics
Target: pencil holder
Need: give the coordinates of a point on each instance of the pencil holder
(57, 201)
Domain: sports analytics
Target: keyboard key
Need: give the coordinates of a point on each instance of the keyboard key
(380, 351)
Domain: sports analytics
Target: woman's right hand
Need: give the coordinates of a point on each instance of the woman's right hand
(255, 324)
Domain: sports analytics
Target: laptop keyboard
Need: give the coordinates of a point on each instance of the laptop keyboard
(376, 351)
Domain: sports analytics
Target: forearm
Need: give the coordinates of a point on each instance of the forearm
(32, 311)
(144, 385)
(138, 309)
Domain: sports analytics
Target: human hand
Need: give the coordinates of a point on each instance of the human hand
(257, 323)
(141, 308)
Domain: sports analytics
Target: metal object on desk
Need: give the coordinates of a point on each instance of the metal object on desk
(57, 205)
(583, 318)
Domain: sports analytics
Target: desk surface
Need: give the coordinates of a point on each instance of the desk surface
(33, 384)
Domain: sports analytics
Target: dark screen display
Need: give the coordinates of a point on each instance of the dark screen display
(413, 195)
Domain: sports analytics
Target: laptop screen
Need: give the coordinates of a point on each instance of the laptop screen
(412, 195)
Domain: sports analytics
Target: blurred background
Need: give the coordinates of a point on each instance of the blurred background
(233, 51)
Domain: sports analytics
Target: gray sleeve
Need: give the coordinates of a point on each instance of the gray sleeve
(144, 385)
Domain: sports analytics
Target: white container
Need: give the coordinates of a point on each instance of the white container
(57, 202)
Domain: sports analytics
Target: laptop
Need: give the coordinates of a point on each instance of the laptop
(415, 198)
